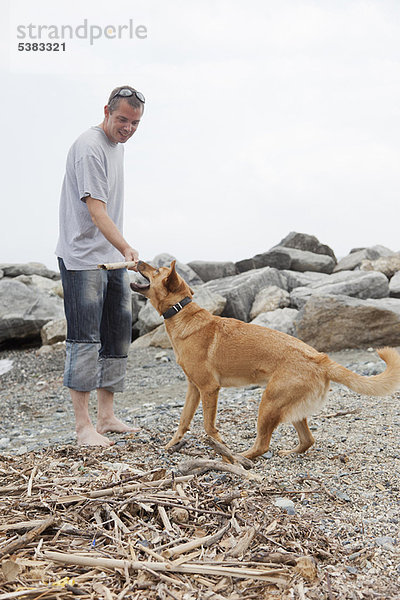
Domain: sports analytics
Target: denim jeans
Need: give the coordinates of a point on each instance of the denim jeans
(98, 310)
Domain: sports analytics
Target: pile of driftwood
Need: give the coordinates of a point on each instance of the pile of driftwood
(95, 524)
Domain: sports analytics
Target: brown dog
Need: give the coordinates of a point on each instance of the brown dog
(217, 352)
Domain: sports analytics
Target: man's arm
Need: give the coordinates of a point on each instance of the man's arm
(98, 213)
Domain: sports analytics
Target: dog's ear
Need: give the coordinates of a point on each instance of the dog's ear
(172, 281)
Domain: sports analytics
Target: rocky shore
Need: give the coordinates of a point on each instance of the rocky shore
(338, 503)
(297, 287)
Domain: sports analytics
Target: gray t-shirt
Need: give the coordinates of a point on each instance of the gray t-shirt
(94, 168)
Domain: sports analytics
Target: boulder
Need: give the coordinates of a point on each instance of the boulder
(164, 260)
(24, 311)
(53, 332)
(148, 319)
(281, 319)
(304, 241)
(394, 285)
(1, 273)
(212, 270)
(356, 257)
(357, 284)
(275, 259)
(211, 301)
(289, 258)
(157, 338)
(331, 323)
(296, 279)
(31, 268)
(388, 265)
(41, 283)
(269, 298)
(240, 290)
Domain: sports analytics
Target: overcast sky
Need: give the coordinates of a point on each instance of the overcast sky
(262, 117)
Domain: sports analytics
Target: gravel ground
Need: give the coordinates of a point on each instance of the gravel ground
(347, 485)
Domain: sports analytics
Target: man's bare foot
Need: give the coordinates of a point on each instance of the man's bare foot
(88, 436)
(114, 425)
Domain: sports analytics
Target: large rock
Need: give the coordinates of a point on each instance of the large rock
(212, 270)
(296, 279)
(211, 301)
(281, 319)
(24, 311)
(41, 283)
(31, 268)
(54, 332)
(157, 338)
(388, 265)
(355, 258)
(304, 241)
(164, 260)
(289, 258)
(337, 322)
(268, 299)
(358, 284)
(240, 290)
(148, 319)
(394, 285)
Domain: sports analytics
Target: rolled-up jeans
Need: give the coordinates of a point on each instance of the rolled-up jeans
(98, 310)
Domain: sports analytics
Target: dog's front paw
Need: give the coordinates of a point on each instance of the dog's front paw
(175, 440)
(250, 454)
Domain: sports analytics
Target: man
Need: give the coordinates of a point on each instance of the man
(97, 302)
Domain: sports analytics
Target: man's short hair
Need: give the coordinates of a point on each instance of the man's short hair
(133, 101)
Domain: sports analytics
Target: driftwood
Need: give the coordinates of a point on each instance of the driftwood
(276, 576)
(202, 541)
(224, 451)
(28, 537)
(129, 264)
(187, 533)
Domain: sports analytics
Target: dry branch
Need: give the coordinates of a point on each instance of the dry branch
(202, 541)
(28, 537)
(276, 576)
(224, 451)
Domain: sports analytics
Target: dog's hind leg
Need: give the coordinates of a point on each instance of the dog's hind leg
(306, 439)
(268, 419)
(191, 403)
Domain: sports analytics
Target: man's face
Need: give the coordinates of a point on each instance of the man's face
(122, 123)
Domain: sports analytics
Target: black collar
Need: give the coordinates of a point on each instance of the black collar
(176, 308)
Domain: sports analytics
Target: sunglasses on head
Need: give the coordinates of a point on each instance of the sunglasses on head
(126, 92)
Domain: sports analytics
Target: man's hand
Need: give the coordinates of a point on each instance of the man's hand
(130, 254)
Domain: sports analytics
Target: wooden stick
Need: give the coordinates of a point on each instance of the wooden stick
(167, 579)
(224, 451)
(118, 265)
(120, 490)
(196, 543)
(243, 543)
(164, 518)
(30, 592)
(270, 575)
(28, 537)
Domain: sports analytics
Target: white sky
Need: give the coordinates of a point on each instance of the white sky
(262, 117)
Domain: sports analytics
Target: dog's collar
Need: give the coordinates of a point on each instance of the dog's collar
(176, 308)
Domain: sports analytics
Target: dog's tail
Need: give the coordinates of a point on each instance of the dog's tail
(384, 384)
